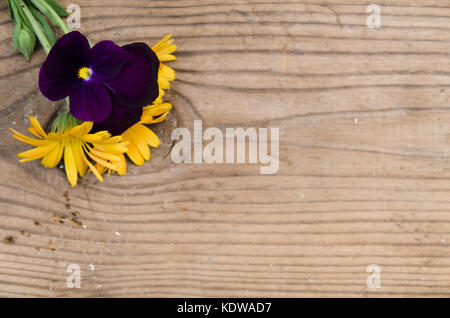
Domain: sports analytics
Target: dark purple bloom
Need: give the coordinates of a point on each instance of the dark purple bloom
(120, 119)
(98, 78)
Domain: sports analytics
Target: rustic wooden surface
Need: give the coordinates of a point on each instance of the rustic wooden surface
(364, 174)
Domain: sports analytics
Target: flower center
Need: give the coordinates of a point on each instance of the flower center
(85, 73)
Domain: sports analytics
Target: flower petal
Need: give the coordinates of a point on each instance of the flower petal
(91, 166)
(166, 75)
(139, 140)
(150, 137)
(133, 152)
(36, 153)
(78, 158)
(57, 76)
(136, 85)
(121, 165)
(92, 102)
(28, 140)
(37, 128)
(70, 165)
(104, 155)
(107, 60)
(53, 157)
(120, 119)
(165, 48)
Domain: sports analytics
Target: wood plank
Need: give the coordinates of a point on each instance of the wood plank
(364, 172)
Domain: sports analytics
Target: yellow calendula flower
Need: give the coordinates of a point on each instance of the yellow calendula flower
(74, 142)
(166, 74)
(140, 138)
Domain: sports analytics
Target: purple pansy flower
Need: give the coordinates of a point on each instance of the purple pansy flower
(96, 79)
(120, 119)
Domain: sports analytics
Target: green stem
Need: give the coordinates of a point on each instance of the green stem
(67, 103)
(44, 6)
(36, 27)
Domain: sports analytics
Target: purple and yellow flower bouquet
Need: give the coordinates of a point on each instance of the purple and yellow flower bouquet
(112, 93)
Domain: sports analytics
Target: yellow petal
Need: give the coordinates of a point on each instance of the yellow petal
(112, 140)
(149, 136)
(69, 163)
(113, 148)
(99, 160)
(91, 166)
(164, 48)
(165, 76)
(104, 155)
(139, 140)
(81, 130)
(93, 138)
(36, 153)
(28, 140)
(134, 154)
(166, 72)
(151, 120)
(80, 163)
(37, 127)
(121, 165)
(156, 109)
(53, 157)
(101, 169)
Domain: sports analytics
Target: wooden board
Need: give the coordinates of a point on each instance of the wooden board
(364, 172)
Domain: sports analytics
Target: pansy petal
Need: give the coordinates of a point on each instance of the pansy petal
(120, 119)
(136, 85)
(56, 87)
(92, 102)
(58, 74)
(107, 60)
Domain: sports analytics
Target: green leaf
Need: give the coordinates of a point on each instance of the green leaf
(16, 32)
(14, 11)
(57, 7)
(17, 24)
(45, 26)
(11, 13)
(20, 15)
(44, 10)
(50, 13)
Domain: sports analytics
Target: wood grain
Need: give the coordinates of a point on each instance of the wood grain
(364, 174)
